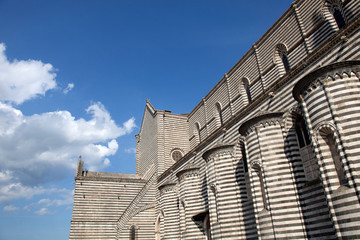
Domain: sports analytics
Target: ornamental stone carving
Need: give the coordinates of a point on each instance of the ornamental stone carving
(167, 187)
(189, 171)
(219, 150)
(263, 120)
(320, 76)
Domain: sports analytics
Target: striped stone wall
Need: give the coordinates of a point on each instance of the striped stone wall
(249, 174)
(99, 199)
(330, 100)
(146, 144)
(298, 204)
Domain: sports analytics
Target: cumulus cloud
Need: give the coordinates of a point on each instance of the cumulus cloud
(44, 147)
(24, 79)
(44, 211)
(10, 208)
(55, 139)
(69, 87)
(130, 150)
(67, 199)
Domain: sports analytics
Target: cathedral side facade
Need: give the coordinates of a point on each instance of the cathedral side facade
(271, 152)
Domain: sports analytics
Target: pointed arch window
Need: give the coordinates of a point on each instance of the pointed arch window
(219, 114)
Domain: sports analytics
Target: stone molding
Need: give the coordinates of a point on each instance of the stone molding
(189, 171)
(265, 119)
(318, 77)
(219, 150)
(167, 187)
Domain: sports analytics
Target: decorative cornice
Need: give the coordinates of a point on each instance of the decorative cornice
(108, 179)
(190, 171)
(218, 149)
(320, 75)
(265, 119)
(167, 187)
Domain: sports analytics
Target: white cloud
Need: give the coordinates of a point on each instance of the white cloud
(44, 211)
(130, 150)
(10, 208)
(23, 80)
(44, 147)
(69, 87)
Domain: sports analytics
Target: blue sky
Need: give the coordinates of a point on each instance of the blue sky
(74, 79)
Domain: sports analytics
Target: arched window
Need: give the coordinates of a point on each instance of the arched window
(306, 151)
(246, 89)
(333, 12)
(197, 131)
(219, 114)
(301, 132)
(260, 179)
(281, 58)
(340, 21)
(132, 233)
(330, 150)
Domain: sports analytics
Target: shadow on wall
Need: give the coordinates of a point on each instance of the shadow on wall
(245, 201)
(311, 193)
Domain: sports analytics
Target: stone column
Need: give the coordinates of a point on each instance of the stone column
(329, 97)
(277, 209)
(222, 191)
(169, 206)
(190, 197)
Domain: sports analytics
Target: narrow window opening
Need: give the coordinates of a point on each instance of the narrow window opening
(246, 87)
(132, 233)
(197, 126)
(281, 59)
(262, 186)
(301, 132)
(219, 114)
(306, 151)
(244, 158)
(340, 21)
(285, 61)
(329, 139)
